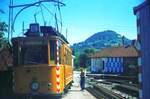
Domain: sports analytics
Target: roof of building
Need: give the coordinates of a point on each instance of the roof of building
(128, 51)
(137, 8)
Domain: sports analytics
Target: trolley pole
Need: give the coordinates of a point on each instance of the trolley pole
(12, 19)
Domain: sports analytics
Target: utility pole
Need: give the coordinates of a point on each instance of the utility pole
(10, 19)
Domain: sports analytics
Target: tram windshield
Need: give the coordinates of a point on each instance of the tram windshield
(34, 53)
(29, 52)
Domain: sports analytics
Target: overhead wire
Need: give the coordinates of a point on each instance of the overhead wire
(43, 15)
(36, 11)
(53, 15)
(25, 6)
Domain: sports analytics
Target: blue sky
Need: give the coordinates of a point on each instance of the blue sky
(82, 18)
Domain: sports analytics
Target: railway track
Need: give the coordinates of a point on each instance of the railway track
(103, 93)
(113, 77)
(113, 89)
(128, 88)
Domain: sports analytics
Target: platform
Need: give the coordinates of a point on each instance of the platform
(75, 92)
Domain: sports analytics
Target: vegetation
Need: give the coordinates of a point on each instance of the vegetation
(3, 30)
(82, 60)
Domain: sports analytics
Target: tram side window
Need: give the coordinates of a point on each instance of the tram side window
(52, 51)
(70, 59)
(67, 57)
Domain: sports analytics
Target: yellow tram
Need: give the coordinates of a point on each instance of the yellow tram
(42, 62)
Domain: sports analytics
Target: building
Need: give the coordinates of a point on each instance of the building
(142, 13)
(115, 60)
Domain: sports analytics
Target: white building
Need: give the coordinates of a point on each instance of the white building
(114, 59)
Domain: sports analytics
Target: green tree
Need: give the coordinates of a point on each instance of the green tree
(84, 58)
(3, 30)
(89, 51)
(76, 61)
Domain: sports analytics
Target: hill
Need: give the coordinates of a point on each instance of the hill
(101, 40)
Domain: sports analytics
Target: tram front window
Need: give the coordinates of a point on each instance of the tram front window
(34, 54)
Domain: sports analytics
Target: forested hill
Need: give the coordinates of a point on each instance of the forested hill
(101, 40)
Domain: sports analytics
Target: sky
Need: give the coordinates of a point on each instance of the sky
(80, 18)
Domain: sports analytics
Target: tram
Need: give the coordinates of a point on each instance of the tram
(42, 61)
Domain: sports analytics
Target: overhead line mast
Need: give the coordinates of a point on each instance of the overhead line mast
(10, 19)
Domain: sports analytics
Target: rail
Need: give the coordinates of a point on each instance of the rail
(112, 88)
(101, 92)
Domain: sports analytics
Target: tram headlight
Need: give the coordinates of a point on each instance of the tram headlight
(35, 86)
(49, 86)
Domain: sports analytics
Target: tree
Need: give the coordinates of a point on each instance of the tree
(89, 51)
(76, 61)
(84, 58)
(3, 29)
